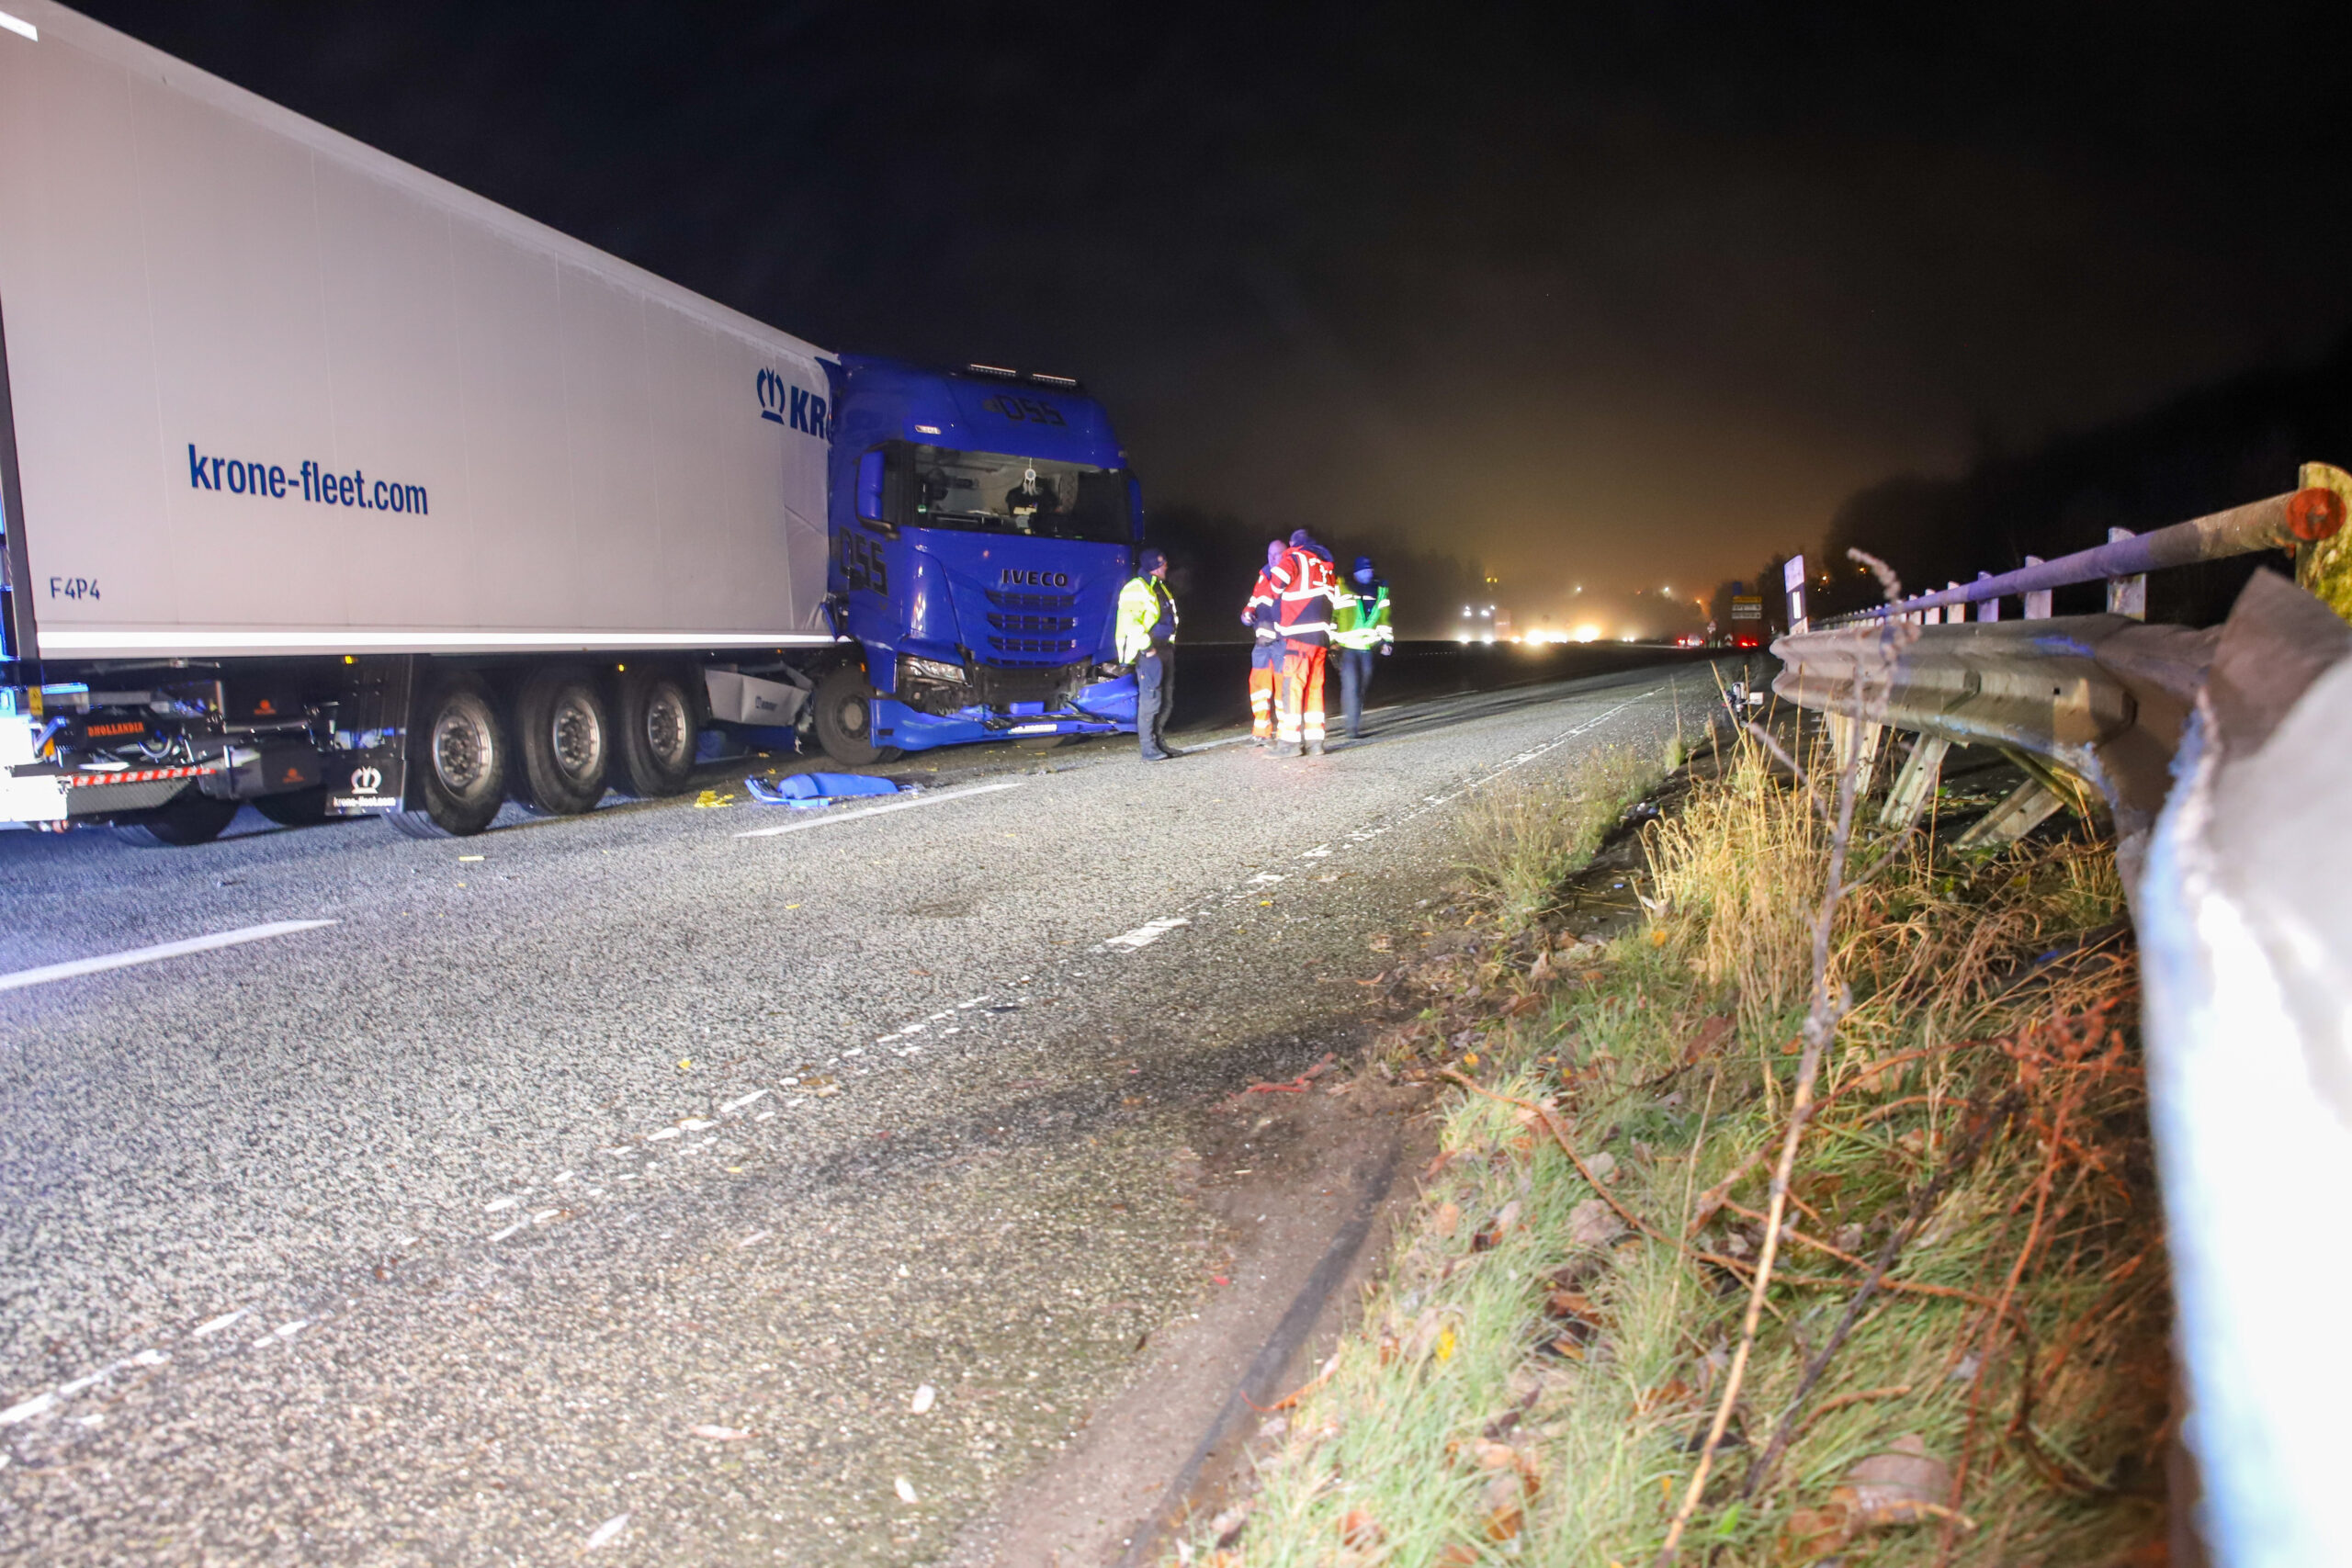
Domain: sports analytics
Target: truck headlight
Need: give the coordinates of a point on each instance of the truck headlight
(930, 670)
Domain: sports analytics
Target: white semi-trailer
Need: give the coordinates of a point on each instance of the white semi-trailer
(329, 485)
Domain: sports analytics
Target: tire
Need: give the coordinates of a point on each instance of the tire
(654, 732)
(845, 706)
(190, 817)
(459, 758)
(295, 809)
(563, 742)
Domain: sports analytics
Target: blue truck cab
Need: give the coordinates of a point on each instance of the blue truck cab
(982, 522)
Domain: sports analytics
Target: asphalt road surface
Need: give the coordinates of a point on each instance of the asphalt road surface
(621, 1184)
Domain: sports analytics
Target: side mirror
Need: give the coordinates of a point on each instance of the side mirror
(1135, 508)
(870, 487)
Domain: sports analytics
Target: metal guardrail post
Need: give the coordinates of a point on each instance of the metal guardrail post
(2127, 595)
(1987, 609)
(1915, 784)
(2037, 604)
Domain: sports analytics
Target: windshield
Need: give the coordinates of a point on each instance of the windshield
(993, 493)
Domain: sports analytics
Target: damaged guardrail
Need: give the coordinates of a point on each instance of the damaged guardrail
(2225, 756)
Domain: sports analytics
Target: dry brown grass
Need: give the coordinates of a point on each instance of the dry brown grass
(2018, 1338)
(1524, 839)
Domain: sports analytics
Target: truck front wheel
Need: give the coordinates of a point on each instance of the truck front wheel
(844, 708)
(563, 742)
(655, 754)
(457, 750)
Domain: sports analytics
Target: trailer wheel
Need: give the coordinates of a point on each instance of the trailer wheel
(460, 762)
(189, 817)
(563, 741)
(295, 809)
(843, 704)
(654, 746)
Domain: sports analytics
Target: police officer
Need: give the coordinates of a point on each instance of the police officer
(1146, 630)
(1360, 626)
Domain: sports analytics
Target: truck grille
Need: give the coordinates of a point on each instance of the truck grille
(1034, 622)
(1058, 650)
(1033, 601)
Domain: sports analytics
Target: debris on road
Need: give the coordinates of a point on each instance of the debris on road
(807, 791)
(1294, 1086)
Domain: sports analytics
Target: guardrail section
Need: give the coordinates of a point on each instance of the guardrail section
(2246, 933)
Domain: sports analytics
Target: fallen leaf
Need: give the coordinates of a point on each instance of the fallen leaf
(1674, 1391)
(1812, 1534)
(1702, 1045)
(1903, 1486)
(1359, 1531)
(1592, 1222)
(1524, 1004)
(1502, 1506)
(1603, 1165)
(1447, 1219)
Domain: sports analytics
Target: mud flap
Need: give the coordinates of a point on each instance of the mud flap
(369, 777)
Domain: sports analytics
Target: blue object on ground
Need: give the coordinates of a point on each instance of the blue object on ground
(817, 789)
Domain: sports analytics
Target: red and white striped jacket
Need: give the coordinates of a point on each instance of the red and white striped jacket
(1304, 587)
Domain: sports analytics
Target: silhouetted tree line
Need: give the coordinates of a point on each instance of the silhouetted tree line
(2216, 448)
(1215, 556)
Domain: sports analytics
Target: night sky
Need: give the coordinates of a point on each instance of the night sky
(1624, 294)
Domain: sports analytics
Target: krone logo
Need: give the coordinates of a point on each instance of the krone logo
(367, 781)
(771, 386)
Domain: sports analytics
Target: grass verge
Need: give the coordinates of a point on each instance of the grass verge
(1964, 1357)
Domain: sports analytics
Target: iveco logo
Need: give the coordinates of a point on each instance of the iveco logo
(770, 396)
(1014, 578)
(367, 781)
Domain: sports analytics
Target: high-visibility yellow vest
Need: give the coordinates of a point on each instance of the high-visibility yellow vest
(1142, 603)
(1364, 618)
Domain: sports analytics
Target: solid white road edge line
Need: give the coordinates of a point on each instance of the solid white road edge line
(48, 972)
(828, 819)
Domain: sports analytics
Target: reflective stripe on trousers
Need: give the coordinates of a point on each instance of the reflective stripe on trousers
(1298, 708)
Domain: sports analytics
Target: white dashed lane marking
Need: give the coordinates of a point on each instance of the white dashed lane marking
(1148, 932)
(161, 950)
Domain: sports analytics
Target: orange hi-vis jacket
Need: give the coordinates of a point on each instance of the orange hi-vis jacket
(1304, 589)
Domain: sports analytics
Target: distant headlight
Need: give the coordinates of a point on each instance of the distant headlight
(930, 670)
